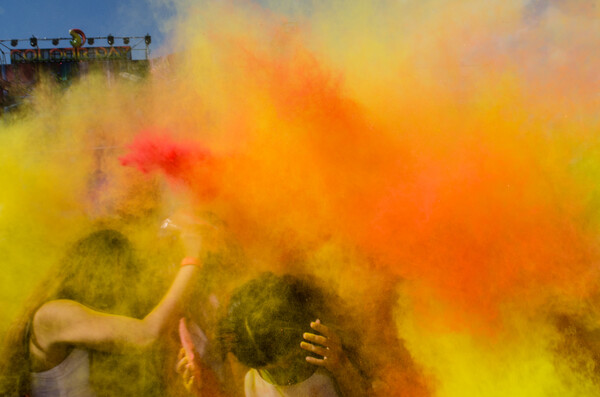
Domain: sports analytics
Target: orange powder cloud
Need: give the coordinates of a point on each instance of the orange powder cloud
(454, 191)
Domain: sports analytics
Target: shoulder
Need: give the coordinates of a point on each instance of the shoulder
(47, 320)
(57, 309)
(320, 384)
(56, 315)
(250, 377)
(254, 385)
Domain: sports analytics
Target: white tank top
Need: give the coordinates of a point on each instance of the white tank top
(317, 385)
(70, 378)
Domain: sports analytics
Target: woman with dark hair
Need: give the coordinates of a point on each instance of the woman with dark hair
(88, 304)
(266, 320)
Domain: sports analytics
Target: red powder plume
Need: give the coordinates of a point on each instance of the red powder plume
(186, 162)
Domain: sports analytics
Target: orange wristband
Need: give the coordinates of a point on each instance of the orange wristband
(189, 260)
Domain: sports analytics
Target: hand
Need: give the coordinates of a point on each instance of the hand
(188, 228)
(184, 368)
(328, 345)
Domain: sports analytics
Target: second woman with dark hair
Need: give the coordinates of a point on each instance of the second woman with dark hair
(266, 321)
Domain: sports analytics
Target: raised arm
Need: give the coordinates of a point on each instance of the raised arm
(69, 322)
(59, 323)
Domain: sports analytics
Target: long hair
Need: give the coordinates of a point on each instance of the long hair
(97, 272)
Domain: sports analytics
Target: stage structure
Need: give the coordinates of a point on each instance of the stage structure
(23, 61)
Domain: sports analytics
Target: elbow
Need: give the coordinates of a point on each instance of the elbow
(146, 341)
(150, 334)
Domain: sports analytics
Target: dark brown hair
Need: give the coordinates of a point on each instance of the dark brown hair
(267, 316)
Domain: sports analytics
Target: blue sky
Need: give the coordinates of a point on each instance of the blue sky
(20, 19)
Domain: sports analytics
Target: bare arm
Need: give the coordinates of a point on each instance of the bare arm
(69, 322)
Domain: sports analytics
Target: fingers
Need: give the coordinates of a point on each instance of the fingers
(188, 380)
(328, 345)
(182, 364)
(168, 224)
(318, 339)
(316, 361)
(327, 341)
(325, 330)
(320, 328)
(332, 339)
(321, 351)
(184, 367)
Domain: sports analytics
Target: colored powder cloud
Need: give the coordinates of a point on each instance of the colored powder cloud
(436, 163)
(181, 161)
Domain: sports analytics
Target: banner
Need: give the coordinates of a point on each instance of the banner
(37, 55)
